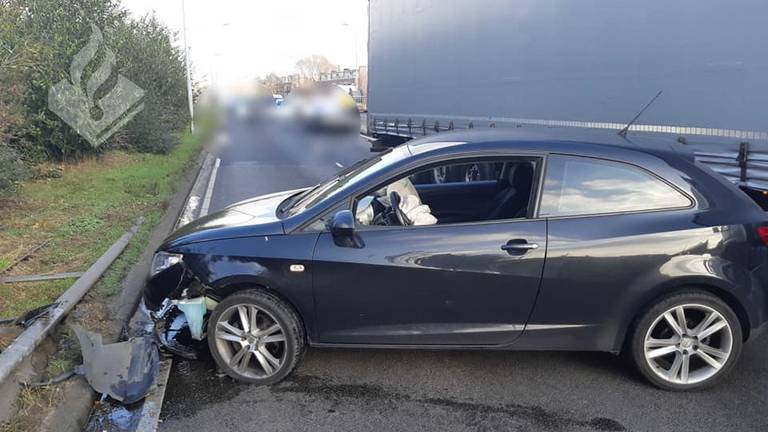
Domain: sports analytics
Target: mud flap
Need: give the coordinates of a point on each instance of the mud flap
(126, 371)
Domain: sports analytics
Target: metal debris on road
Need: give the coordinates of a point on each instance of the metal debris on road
(25, 256)
(40, 277)
(27, 318)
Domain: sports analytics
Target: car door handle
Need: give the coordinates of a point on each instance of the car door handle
(519, 246)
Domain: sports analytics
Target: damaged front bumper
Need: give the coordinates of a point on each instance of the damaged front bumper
(176, 302)
(179, 326)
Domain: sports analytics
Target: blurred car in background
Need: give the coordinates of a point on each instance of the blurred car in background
(252, 108)
(325, 108)
(332, 109)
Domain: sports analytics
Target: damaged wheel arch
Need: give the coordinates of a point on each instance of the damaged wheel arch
(236, 284)
(181, 322)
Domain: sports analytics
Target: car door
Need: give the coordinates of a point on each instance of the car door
(456, 284)
(614, 228)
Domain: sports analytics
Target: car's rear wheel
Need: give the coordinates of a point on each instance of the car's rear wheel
(255, 337)
(687, 341)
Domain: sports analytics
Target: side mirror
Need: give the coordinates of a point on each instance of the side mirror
(343, 224)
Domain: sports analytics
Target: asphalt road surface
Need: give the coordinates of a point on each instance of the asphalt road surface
(399, 390)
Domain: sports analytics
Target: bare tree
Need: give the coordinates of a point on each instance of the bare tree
(272, 83)
(312, 66)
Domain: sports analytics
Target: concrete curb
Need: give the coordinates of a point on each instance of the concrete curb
(192, 205)
(153, 404)
(71, 414)
(134, 281)
(201, 191)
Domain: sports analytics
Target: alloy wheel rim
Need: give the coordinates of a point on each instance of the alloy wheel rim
(250, 340)
(688, 344)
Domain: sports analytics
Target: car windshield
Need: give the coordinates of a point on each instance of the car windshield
(345, 178)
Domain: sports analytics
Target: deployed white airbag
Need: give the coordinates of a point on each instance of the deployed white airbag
(410, 203)
(417, 213)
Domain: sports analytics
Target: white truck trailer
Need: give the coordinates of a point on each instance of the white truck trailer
(436, 66)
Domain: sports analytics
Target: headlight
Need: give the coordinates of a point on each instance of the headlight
(163, 260)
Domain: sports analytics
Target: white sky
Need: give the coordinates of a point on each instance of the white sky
(232, 41)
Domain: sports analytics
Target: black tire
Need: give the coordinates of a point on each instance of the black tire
(642, 326)
(282, 313)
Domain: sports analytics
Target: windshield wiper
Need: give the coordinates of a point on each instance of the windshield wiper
(289, 202)
(302, 202)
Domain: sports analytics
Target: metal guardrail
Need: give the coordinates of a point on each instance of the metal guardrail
(740, 156)
(361, 102)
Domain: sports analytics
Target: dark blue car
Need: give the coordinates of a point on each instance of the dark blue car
(566, 242)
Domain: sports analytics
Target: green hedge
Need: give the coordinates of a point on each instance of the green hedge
(38, 41)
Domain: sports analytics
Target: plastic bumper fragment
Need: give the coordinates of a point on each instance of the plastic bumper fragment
(126, 371)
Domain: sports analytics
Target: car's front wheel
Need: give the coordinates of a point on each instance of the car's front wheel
(255, 337)
(687, 341)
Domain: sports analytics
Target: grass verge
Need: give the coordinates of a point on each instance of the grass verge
(81, 214)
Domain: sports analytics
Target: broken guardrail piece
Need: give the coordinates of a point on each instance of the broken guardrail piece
(28, 318)
(126, 371)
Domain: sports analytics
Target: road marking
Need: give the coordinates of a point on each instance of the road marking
(339, 165)
(209, 191)
(189, 211)
(153, 403)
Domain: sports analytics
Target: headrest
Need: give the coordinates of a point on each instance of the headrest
(521, 175)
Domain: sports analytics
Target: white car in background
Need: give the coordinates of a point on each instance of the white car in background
(327, 108)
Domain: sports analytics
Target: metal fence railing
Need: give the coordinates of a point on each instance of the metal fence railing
(362, 103)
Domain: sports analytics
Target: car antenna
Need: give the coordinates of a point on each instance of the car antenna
(623, 132)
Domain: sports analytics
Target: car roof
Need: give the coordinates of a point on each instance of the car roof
(588, 142)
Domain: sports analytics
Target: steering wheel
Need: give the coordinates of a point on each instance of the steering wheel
(394, 201)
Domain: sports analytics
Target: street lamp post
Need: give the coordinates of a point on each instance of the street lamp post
(186, 60)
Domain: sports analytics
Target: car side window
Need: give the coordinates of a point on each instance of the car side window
(321, 223)
(459, 173)
(452, 193)
(577, 185)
